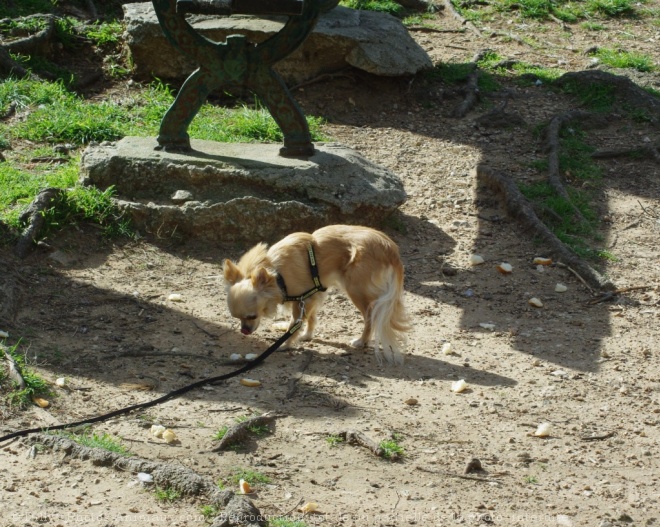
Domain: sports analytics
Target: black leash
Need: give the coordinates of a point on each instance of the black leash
(167, 396)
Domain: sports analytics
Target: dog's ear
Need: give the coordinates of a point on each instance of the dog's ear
(232, 272)
(261, 278)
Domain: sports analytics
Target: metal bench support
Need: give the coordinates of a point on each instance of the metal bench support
(238, 64)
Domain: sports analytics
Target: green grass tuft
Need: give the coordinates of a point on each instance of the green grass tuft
(167, 494)
(625, 59)
(99, 440)
(35, 385)
(382, 6)
(251, 476)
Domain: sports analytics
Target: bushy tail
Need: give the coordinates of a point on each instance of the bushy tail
(388, 316)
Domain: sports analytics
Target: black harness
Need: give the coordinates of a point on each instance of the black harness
(315, 277)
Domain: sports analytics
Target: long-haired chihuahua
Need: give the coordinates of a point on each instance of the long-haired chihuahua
(362, 262)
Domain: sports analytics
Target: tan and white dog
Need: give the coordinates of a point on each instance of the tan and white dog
(362, 262)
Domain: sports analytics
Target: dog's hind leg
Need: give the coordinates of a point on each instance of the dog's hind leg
(363, 303)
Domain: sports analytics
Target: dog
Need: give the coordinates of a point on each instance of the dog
(362, 262)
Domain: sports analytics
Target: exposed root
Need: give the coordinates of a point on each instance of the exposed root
(450, 7)
(499, 118)
(519, 207)
(239, 431)
(238, 510)
(552, 147)
(646, 152)
(10, 291)
(471, 95)
(34, 217)
(14, 371)
(354, 437)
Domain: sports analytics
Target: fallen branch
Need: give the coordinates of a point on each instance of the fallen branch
(611, 295)
(519, 207)
(240, 431)
(600, 437)
(459, 476)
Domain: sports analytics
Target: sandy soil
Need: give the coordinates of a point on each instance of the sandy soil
(98, 314)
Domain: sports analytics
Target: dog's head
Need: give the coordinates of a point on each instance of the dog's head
(250, 297)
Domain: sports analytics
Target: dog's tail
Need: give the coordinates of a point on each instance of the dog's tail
(388, 316)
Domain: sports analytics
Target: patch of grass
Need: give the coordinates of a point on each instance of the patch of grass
(420, 19)
(25, 7)
(625, 59)
(96, 440)
(391, 448)
(105, 34)
(531, 480)
(167, 494)
(568, 11)
(220, 433)
(592, 26)
(258, 430)
(610, 8)
(284, 522)
(209, 512)
(91, 205)
(382, 6)
(35, 385)
(253, 477)
(334, 440)
(595, 97)
(558, 215)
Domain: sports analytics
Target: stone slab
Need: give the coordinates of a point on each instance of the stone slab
(240, 191)
(377, 43)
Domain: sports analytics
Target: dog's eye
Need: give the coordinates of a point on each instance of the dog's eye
(251, 317)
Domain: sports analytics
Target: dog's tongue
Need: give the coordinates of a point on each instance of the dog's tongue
(245, 331)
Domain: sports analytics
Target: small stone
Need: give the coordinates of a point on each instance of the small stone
(411, 402)
(181, 196)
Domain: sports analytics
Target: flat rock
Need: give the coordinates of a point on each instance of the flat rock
(377, 43)
(240, 191)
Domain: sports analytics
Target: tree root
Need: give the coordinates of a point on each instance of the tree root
(520, 208)
(238, 510)
(34, 218)
(471, 94)
(450, 7)
(354, 437)
(552, 147)
(14, 371)
(239, 431)
(647, 152)
(36, 44)
(10, 291)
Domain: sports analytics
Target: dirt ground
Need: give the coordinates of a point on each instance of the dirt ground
(98, 314)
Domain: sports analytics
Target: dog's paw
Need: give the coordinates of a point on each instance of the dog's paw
(307, 336)
(358, 343)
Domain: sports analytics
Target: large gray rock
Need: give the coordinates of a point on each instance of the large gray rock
(232, 191)
(374, 42)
